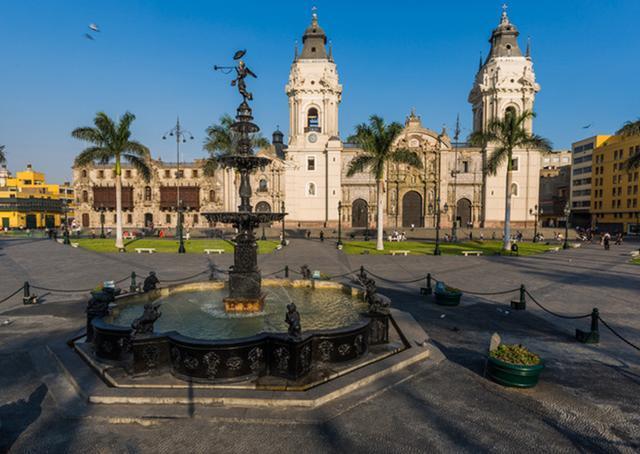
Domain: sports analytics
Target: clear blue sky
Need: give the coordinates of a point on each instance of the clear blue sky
(154, 58)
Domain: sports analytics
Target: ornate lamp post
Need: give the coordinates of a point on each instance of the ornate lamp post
(102, 210)
(567, 212)
(65, 233)
(283, 241)
(339, 243)
(263, 237)
(536, 212)
(454, 174)
(181, 135)
(437, 250)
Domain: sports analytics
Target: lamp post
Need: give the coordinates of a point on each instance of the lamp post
(65, 233)
(339, 243)
(536, 212)
(567, 212)
(455, 173)
(102, 209)
(181, 135)
(263, 237)
(437, 250)
(283, 241)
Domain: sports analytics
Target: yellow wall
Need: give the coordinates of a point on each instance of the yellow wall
(615, 192)
(28, 184)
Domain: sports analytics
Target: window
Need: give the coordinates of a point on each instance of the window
(514, 164)
(168, 219)
(510, 111)
(127, 173)
(167, 173)
(100, 173)
(115, 218)
(85, 196)
(84, 173)
(465, 166)
(147, 193)
(194, 173)
(311, 189)
(212, 195)
(195, 219)
(514, 189)
(179, 173)
(262, 185)
(311, 163)
(129, 218)
(313, 118)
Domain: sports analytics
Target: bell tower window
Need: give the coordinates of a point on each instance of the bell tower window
(313, 120)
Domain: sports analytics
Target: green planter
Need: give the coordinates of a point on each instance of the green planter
(447, 298)
(513, 375)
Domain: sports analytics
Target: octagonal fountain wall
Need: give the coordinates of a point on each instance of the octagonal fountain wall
(196, 339)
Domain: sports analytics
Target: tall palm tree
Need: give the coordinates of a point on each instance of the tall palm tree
(506, 135)
(2, 156)
(222, 140)
(629, 129)
(376, 140)
(111, 141)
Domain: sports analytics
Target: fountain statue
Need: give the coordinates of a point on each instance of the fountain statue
(245, 293)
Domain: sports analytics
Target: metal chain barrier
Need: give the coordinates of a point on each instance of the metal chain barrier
(187, 278)
(422, 278)
(348, 273)
(12, 295)
(619, 336)
(568, 317)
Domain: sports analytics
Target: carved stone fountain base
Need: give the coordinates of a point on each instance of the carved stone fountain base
(243, 305)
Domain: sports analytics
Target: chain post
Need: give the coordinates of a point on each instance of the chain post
(27, 297)
(133, 287)
(593, 336)
(521, 304)
(428, 290)
(362, 272)
(286, 271)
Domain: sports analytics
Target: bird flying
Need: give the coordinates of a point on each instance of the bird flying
(94, 27)
(587, 126)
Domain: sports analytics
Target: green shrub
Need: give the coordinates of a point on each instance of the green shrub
(515, 354)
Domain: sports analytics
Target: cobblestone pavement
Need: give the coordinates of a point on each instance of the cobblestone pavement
(587, 400)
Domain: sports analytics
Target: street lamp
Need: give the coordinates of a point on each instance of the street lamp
(263, 237)
(455, 173)
(283, 241)
(567, 212)
(437, 250)
(65, 232)
(102, 210)
(536, 212)
(181, 135)
(339, 243)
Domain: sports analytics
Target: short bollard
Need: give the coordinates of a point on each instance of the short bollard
(286, 271)
(27, 297)
(362, 274)
(520, 304)
(428, 290)
(133, 287)
(593, 336)
(212, 272)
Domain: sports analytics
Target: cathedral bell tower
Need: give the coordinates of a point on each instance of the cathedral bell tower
(313, 155)
(505, 81)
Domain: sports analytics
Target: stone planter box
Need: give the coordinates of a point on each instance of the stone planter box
(513, 375)
(446, 298)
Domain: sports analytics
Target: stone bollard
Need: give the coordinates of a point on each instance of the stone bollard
(521, 304)
(133, 287)
(428, 290)
(593, 336)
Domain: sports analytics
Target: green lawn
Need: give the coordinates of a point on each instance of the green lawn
(195, 246)
(416, 247)
(636, 261)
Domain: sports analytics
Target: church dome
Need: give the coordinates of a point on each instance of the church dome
(314, 41)
(504, 39)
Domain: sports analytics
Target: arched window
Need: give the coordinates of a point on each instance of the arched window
(84, 173)
(212, 195)
(262, 185)
(313, 118)
(510, 111)
(85, 196)
(514, 189)
(311, 189)
(147, 193)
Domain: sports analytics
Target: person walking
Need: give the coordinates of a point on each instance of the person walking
(321, 236)
(606, 240)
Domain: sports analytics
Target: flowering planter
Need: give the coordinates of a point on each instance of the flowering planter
(446, 298)
(513, 375)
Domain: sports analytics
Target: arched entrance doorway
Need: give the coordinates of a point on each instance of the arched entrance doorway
(463, 212)
(263, 207)
(412, 209)
(148, 220)
(360, 214)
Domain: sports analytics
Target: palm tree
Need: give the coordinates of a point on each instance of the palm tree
(629, 129)
(376, 140)
(112, 141)
(508, 134)
(222, 140)
(2, 156)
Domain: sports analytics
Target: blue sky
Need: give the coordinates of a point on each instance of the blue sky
(155, 59)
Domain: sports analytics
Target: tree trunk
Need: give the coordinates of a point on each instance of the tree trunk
(380, 219)
(119, 242)
(507, 209)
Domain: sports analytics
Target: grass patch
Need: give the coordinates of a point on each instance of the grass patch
(636, 261)
(423, 247)
(195, 246)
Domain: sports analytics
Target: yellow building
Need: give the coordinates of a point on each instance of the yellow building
(615, 196)
(27, 201)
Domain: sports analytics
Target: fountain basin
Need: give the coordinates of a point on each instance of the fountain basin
(197, 339)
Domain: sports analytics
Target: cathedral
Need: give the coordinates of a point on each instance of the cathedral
(308, 172)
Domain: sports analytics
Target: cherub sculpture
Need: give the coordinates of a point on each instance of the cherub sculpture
(144, 323)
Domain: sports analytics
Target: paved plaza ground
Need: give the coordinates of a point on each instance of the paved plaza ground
(588, 398)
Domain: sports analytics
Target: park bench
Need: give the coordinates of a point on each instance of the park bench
(555, 249)
(405, 253)
(214, 251)
(75, 244)
(129, 236)
(468, 253)
(150, 250)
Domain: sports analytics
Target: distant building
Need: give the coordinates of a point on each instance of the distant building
(554, 160)
(554, 195)
(581, 179)
(615, 197)
(27, 201)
